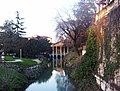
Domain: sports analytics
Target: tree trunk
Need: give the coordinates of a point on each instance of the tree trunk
(76, 46)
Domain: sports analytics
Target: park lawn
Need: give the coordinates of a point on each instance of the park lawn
(9, 58)
(26, 62)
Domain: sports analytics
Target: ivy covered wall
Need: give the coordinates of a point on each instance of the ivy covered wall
(108, 41)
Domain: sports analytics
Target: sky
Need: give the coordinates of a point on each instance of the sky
(39, 14)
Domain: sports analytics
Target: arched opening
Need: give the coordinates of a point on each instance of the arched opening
(54, 56)
(58, 57)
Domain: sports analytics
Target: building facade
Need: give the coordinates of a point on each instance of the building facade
(59, 50)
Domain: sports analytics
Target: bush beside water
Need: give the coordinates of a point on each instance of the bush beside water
(10, 80)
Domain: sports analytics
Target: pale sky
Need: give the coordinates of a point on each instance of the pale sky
(39, 14)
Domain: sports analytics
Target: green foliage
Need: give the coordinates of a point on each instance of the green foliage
(33, 47)
(88, 63)
(10, 80)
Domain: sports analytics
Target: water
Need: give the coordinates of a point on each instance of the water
(52, 80)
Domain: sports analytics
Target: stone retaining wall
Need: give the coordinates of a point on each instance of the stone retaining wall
(34, 71)
(29, 72)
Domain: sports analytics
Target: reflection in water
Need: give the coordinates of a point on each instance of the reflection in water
(58, 81)
(58, 62)
(63, 83)
(45, 76)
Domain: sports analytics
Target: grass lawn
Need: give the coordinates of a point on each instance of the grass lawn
(9, 58)
(26, 62)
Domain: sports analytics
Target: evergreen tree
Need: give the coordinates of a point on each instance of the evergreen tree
(18, 26)
(88, 64)
(11, 36)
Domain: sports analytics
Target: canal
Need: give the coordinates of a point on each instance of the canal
(53, 79)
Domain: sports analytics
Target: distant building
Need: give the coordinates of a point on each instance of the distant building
(59, 50)
(37, 37)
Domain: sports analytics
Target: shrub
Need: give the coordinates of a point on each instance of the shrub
(88, 64)
(11, 80)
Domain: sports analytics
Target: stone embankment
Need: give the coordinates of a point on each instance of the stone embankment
(30, 72)
(34, 71)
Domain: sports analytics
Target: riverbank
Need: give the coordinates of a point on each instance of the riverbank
(79, 73)
(15, 75)
(71, 64)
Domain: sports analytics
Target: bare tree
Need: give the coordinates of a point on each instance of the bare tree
(75, 27)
